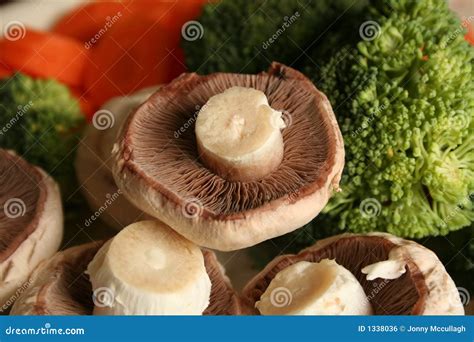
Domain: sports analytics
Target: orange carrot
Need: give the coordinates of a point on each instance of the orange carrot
(470, 34)
(137, 52)
(45, 54)
(5, 71)
(88, 107)
(88, 20)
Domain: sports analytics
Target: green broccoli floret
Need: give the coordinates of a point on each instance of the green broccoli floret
(41, 121)
(405, 105)
(246, 36)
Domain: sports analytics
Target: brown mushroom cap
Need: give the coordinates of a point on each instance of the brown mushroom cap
(425, 288)
(61, 287)
(31, 222)
(159, 170)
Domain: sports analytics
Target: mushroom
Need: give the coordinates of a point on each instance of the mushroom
(151, 269)
(399, 277)
(31, 223)
(321, 288)
(230, 160)
(94, 160)
(61, 287)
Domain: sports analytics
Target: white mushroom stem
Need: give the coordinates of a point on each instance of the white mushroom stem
(239, 135)
(148, 269)
(306, 288)
(392, 268)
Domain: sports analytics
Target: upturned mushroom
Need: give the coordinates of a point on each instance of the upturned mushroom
(387, 276)
(31, 223)
(146, 269)
(94, 161)
(230, 160)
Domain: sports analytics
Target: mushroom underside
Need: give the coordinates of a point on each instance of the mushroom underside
(68, 290)
(22, 200)
(402, 296)
(161, 132)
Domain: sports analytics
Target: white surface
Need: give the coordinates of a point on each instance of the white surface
(38, 14)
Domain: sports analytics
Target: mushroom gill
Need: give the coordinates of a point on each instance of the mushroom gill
(61, 287)
(31, 223)
(22, 197)
(159, 169)
(402, 296)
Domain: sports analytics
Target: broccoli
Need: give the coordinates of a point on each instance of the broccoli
(246, 36)
(41, 121)
(405, 104)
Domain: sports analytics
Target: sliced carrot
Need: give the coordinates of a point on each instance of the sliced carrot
(137, 52)
(45, 54)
